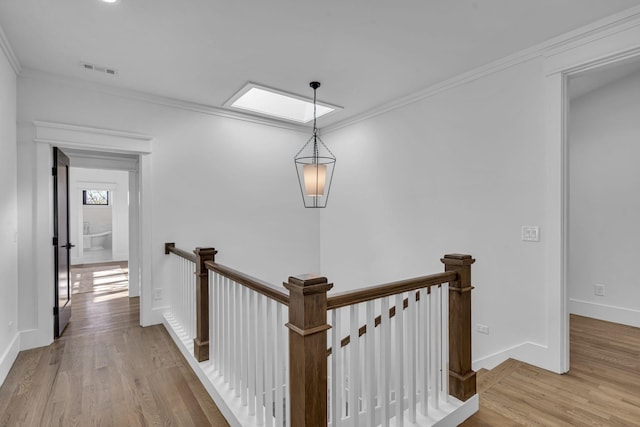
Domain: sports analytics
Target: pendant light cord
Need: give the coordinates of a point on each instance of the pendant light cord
(315, 129)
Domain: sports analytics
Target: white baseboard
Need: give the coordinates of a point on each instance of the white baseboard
(120, 256)
(8, 357)
(464, 411)
(34, 338)
(528, 352)
(157, 316)
(609, 313)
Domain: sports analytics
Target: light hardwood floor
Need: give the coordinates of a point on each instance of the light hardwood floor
(601, 389)
(106, 371)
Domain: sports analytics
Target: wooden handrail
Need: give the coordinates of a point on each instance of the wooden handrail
(358, 296)
(171, 248)
(260, 286)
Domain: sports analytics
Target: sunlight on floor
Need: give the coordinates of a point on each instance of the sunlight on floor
(100, 279)
(111, 272)
(111, 296)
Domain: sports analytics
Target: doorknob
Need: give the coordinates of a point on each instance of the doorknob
(68, 246)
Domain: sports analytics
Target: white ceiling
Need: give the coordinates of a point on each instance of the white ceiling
(365, 52)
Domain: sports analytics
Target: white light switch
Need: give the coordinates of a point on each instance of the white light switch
(530, 233)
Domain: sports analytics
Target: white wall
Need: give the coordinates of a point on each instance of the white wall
(215, 181)
(460, 171)
(9, 342)
(99, 179)
(604, 148)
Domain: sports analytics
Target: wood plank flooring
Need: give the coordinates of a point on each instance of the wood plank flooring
(106, 371)
(601, 389)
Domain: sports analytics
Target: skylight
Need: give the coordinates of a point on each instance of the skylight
(275, 103)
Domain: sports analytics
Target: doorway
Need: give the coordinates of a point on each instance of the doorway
(99, 222)
(95, 146)
(603, 197)
(99, 215)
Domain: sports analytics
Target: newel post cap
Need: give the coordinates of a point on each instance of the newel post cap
(308, 284)
(205, 251)
(457, 259)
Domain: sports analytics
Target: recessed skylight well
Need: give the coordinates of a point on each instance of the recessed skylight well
(270, 102)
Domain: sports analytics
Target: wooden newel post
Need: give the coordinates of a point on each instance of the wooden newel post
(308, 349)
(462, 379)
(201, 341)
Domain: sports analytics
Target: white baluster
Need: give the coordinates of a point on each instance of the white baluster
(399, 361)
(287, 394)
(229, 347)
(268, 371)
(260, 360)
(444, 309)
(225, 330)
(192, 301)
(434, 350)
(211, 320)
(385, 362)
(279, 365)
(252, 354)
(216, 325)
(354, 366)
(370, 365)
(424, 350)
(180, 305)
(233, 356)
(237, 333)
(336, 368)
(411, 355)
(244, 353)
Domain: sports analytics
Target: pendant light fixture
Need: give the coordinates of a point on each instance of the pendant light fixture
(314, 165)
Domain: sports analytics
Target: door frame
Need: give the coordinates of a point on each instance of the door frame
(47, 135)
(561, 63)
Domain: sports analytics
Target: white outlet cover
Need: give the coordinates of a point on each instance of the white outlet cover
(483, 329)
(530, 233)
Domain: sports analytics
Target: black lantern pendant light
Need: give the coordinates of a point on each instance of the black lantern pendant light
(315, 164)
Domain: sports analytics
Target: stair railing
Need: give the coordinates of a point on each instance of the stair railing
(395, 351)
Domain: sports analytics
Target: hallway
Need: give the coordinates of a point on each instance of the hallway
(106, 370)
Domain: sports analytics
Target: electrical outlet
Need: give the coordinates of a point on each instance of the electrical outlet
(483, 329)
(157, 294)
(530, 233)
(599, 290)
(10, 327)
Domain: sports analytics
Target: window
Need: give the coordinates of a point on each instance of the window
(95, 197)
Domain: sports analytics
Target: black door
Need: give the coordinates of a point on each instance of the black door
(62, 246)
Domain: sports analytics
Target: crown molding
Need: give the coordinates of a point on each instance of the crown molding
(29, 73)
(9, 53)
(596, 30)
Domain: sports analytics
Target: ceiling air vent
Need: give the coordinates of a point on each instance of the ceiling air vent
(99, 69)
